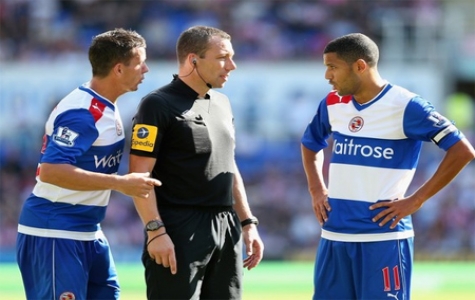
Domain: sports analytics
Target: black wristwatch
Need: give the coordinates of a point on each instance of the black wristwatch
(154, 225)
(251, 220)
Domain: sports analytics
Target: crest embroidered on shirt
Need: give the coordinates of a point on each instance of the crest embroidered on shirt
(65, 136)
(356, 124)
(118, 128)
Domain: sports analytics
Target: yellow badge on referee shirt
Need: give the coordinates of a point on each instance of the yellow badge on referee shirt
(143, 137)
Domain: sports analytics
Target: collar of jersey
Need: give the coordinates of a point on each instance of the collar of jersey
(97, 96)
(183, 88)
(375, 99)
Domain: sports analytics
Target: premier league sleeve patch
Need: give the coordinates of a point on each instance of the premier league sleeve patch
(143, 137)
(65, 136)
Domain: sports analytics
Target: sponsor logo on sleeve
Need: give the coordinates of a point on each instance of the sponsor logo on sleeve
(438, 119)
(65, 136)
(143, 137)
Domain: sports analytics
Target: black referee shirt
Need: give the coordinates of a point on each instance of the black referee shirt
(193, 142)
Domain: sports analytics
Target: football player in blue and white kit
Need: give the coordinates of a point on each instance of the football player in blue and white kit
(377, 130)
(61, 251)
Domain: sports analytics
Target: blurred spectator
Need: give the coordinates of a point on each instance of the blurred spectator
(265, 29)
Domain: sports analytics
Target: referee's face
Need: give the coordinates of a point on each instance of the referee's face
(218, 62)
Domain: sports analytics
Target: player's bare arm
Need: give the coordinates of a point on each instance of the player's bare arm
(313, 167)
(71, 177)
(455, 159)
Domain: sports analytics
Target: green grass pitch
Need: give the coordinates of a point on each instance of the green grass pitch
(289, 281)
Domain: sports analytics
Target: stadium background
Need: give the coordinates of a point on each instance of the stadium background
(426, 45)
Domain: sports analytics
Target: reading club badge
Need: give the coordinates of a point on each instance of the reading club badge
(356, 124)
(67, 296)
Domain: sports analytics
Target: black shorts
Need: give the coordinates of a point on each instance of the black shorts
(208, 249)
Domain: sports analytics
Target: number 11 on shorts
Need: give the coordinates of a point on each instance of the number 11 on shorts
(387, 279)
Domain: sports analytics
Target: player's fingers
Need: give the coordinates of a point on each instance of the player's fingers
(382, 214)
(394, 223)
(154, 182)
(318, 215)
(384, 203)
(374, 206)
(388, 218)
(327, 205)
(323, 212)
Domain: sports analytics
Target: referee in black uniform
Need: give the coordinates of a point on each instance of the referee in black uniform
(183, 134)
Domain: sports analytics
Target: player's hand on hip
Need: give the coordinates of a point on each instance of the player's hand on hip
(321, 207)
(395, 210)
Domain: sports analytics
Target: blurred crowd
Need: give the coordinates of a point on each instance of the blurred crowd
(263, 29)
(33, 30)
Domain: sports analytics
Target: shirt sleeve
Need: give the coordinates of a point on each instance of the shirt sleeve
(423, 122)
(74, 132)
(318, 130)
(149, 125)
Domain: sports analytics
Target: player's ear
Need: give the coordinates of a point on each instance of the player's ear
(360, 65)
(117, 69)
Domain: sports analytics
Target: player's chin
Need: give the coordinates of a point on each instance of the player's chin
(134, 88)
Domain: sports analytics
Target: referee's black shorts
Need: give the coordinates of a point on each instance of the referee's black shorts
(208, 249)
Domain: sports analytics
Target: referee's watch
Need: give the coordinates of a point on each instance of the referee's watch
(248, 221)
(154, 225)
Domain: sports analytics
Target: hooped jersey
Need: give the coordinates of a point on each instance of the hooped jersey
(375, 150)
(84, 130)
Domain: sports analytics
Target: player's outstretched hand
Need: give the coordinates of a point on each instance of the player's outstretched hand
(137, 184)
